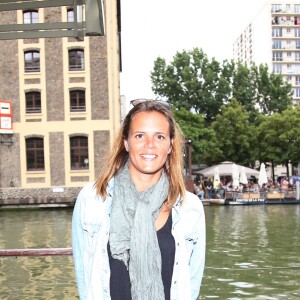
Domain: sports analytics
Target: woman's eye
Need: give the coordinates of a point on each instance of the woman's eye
(161, 137)
(139, 136)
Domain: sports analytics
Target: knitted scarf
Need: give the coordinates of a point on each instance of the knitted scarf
(133, 237)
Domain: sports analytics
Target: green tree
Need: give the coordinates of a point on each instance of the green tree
(234, 135)
(279, 137)
(193, 82)
(273, 93)
(202, 86)
(194, 129)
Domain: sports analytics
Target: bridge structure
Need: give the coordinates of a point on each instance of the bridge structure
(89, 20)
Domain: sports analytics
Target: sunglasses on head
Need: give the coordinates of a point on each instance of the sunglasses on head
(135, 102)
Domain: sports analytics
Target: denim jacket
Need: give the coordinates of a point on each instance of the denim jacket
(90, 232)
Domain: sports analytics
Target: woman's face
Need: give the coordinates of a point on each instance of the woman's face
(148, 145)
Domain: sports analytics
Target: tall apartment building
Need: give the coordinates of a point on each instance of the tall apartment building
(66, 105)
(273, 38)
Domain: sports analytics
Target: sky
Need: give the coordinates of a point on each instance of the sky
(160, 28)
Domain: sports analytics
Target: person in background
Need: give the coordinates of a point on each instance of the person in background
(209, 188)
(201, 190)
(136, 232)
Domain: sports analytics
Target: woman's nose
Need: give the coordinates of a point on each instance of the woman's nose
(149, 142)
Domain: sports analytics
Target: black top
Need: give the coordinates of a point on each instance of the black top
(120, 287)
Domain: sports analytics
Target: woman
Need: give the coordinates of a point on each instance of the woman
(136, 232)
(201, 190)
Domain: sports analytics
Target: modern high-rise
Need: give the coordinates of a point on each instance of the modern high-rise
(273, 38)
(65, 101)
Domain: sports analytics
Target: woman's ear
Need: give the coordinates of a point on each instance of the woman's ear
(126, 145)
(171, 147)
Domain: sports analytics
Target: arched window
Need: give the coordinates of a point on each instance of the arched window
(33, 102)
(32, 61)
(79, 152)
(77, 100)
(35, 154)
(76, 60)
(30, 16)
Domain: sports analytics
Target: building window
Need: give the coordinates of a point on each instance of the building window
(76, 59)
(288, 54)
(276, 8)
(35, 154)
(77, 100)
(32, 61)
(297, 80)
(30, 17)
(277, 44)
(297, 56)
(277, 69)
(277, 32)
(70, 15)
(298, 44)
(297, 32)
(79, 153)
(277, 56)
(289, 78)
(33, 102)
(297, 92)
(297, 8)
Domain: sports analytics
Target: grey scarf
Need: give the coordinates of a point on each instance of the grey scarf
(133, 237)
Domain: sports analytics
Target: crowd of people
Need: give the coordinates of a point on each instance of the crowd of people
(208, 187)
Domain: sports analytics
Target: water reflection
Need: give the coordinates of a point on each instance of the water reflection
(45, 277)
(252, 253)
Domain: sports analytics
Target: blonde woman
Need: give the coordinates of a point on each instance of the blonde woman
(136, 232)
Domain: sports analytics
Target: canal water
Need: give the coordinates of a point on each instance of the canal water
(253, 252)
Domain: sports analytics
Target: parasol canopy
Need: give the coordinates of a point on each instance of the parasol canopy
(225, 169)
(262, 177)
(243, 176)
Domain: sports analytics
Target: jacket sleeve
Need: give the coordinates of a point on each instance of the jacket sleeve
(197, 260)
(77, 244)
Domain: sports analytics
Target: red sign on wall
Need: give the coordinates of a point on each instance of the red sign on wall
(6, 117)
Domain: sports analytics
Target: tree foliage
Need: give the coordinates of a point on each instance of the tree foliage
(194, 129)
(234, 135)
(201, 85)
(220, 107)
(279, 137)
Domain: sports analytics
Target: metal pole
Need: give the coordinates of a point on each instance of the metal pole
(36, 252)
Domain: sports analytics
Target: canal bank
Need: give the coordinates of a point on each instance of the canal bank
(39, 197)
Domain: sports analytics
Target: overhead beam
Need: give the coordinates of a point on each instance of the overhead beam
(27, 4)
(93, 25)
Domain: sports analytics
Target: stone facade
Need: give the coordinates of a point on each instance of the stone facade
(55, 196)
(55, 123)
(57, 160)
(99, 80)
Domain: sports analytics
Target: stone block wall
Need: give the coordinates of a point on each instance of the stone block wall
(54, 196)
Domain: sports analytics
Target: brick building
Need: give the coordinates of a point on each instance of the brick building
(66, 106)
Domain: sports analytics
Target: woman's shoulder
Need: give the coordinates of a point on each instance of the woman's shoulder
(88, 190)
(192, 201)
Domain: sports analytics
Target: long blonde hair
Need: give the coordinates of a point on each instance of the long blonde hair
(118, 156)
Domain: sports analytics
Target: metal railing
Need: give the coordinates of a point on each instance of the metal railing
(35, 252)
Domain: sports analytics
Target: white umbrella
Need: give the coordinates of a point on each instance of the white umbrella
(225, 169)
(235, 176)
(217, 174)
(262, 177)
(243, 176)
